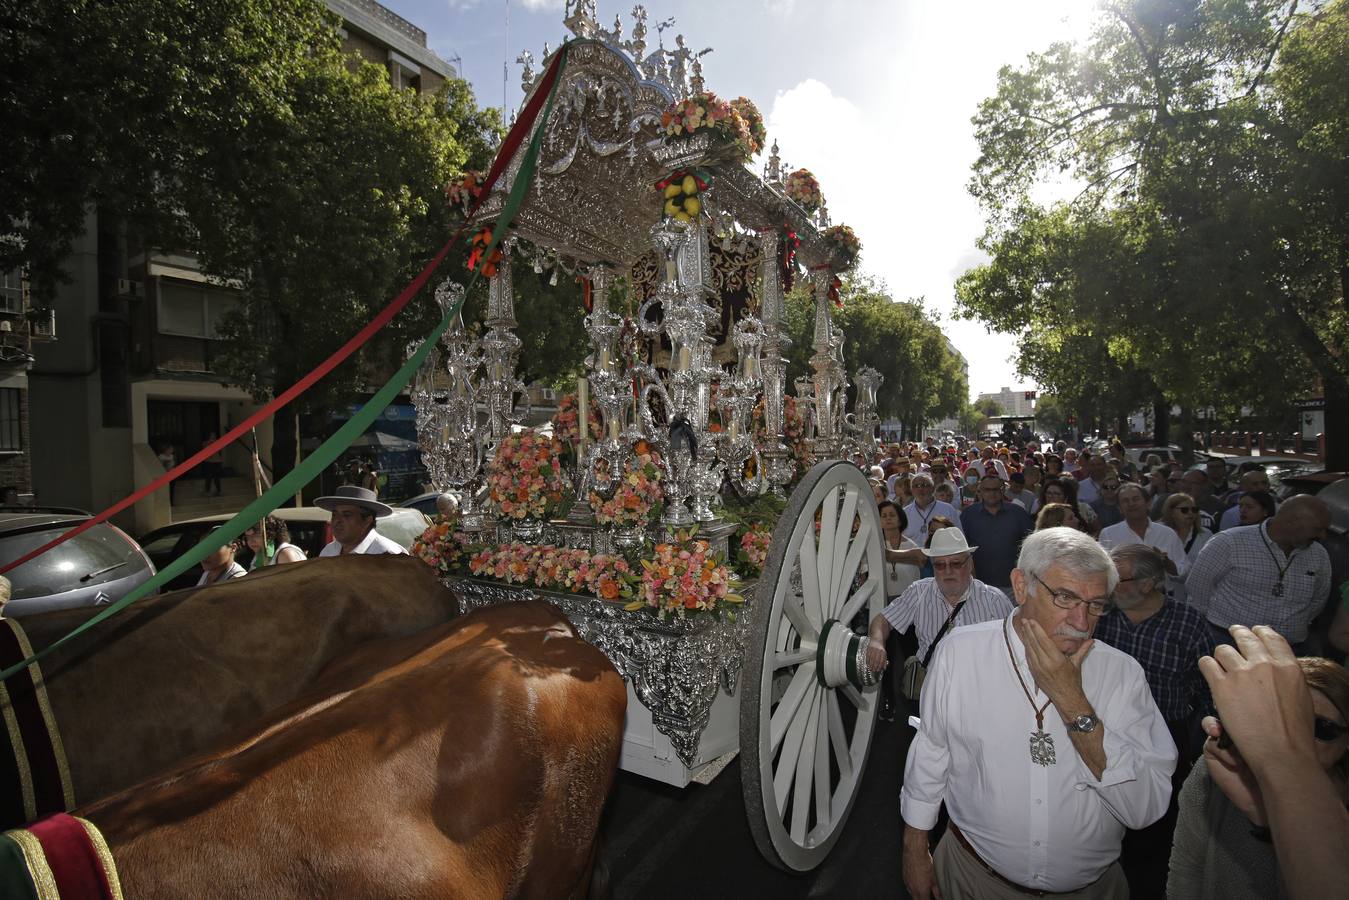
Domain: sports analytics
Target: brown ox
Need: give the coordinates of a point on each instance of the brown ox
(470, 761)
(174, 674)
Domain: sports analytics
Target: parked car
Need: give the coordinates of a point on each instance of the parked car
(94, 568)
(1278, 468)
(308, 526)
(1171, 453)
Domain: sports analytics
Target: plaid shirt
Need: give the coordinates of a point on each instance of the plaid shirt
(1167, 645)
(1233, 582)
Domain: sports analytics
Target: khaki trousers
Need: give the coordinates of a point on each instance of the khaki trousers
(962, 877)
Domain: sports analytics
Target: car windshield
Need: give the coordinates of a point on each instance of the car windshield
(97, 556)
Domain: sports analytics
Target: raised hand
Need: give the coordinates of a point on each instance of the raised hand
(1059, 676)
(1231, 774)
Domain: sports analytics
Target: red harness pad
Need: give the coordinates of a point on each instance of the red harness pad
(34, 778)
(64, 858)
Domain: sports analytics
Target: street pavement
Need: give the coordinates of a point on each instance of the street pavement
(659, 841)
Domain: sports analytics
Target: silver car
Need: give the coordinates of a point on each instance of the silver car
(94, 568)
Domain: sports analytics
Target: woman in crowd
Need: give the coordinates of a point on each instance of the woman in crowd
(1064, 490)
(877, 490)
(903, 493)
(902, 556)
(220, 566)
(1222, 845)
(1254, 507)
(946, 492)
(1053, 466)
(271, 544)
(1055, 515)
(969, 491)
(1181, 512)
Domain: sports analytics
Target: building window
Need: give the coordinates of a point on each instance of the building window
(193, 310)
(11, 422)
(11, 292)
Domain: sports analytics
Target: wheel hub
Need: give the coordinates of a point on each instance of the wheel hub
(841, 657)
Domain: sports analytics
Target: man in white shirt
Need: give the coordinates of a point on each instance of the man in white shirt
(923, 507)
(354, 510)
(1089, 488)
(1137, 528)
(1044, 745)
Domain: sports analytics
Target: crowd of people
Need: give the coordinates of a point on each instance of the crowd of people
(1110, 676)
(353, 509)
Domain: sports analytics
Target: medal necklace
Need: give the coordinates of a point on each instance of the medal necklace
(1282, 570)
(1041, 742)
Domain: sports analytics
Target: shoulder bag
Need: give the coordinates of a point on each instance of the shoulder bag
(914, 671)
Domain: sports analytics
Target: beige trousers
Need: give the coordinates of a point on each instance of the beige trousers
(962, 877)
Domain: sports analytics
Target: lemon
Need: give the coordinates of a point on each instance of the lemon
(683, 217)
(671, 190)
(690, 184)
(670, 208)
(692, 206)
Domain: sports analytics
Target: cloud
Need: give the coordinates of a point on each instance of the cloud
(541, 4)
(461, 5)
(779, 7)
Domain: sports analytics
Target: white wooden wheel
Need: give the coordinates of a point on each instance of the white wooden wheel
(809, 703)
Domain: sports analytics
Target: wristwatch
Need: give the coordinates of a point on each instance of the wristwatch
(1085, 724)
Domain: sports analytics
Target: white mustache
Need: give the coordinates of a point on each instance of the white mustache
(1069, 631)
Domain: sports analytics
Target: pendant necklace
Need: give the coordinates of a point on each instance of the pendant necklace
(1041, 743)
(1282, 570)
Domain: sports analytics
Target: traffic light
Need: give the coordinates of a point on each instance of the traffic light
(1030, 395)
(1072, 420)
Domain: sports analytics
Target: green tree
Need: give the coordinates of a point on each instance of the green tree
(1050, 415)
(1206, 249)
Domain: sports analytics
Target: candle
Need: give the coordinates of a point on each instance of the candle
(683, 364)
(582, 412)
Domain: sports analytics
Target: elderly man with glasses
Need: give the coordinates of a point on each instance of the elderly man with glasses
(1044, 745)
(924, 507)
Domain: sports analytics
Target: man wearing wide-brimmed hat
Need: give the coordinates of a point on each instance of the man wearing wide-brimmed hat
(354, 512)
(933, 606)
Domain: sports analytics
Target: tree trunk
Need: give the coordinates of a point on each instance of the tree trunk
(1186, 436)
(283, 444)
(1161, 421)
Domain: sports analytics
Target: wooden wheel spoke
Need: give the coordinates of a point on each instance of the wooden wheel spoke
(845, 565)
(791, 753)
(856, 697)
(860, 596)
(822, 804)
(805, 769)
(839, 739)
(847, 573)
(794, 608)
(786, 658)
(810, 583)
(785, 714)
(829, 527)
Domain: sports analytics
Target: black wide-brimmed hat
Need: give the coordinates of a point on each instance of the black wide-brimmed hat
(351, 495)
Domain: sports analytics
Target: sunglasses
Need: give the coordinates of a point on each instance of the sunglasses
(943, 565)
(1327, 731)
(1110, 487)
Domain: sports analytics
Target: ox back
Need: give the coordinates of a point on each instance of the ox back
(471, 761)
(174, 674)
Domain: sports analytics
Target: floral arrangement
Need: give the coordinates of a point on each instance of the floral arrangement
(802, 189)
(565, 426)
(845, 246)
(680, 191)
(441, 546)
(489, 261)
(706, 112)
(638, 498)
(753, 551)
(684, 576)
(567, 569)
(463, 191)
(525, 478)
(758, 134)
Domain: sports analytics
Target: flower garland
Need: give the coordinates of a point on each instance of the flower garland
(845, 246)
(638, 499)
(480, 242)
(753, 551)
(758, 134)
(461, 193)
(565, 426)
(802, 189)
(525, 478)
(441, 546)
(685, 576)
(567, 569)
(706, 112)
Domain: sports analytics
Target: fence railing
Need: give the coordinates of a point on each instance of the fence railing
(1267, 443)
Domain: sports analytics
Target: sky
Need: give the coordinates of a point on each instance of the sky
(875, 97)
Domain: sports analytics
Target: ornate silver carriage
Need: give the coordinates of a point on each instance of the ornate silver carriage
(783, 679)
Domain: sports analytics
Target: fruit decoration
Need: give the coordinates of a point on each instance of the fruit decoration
(480, 242)
(706, 112)
(681, 192)
(844, 245)
(802, 189)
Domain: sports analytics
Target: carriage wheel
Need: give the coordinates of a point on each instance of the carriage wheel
(809, 703)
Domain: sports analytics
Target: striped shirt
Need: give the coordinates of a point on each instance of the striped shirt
(1167, 645)
(925, 608)
(1236, 581)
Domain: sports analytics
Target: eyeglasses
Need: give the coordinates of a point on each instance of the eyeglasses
(946, 565)
(1327, 731)
(1110, 487)
(1064, 600)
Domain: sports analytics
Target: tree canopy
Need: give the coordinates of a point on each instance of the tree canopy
(1204, 255)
